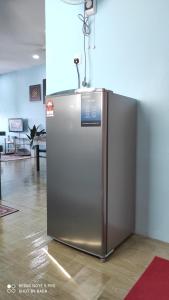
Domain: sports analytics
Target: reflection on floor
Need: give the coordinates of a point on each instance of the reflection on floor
(32, 266)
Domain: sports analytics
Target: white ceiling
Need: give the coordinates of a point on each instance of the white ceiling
(22, 34)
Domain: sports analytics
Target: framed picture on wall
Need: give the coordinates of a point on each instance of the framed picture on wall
(35, 92)
(44, 90)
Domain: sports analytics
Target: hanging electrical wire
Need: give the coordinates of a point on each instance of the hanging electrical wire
(86, 33)
(85, 20)
(76, 62)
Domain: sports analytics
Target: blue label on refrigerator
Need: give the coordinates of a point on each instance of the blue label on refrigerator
(90, 111)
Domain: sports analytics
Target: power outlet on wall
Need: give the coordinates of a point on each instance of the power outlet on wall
(79, 57)
(90, 7)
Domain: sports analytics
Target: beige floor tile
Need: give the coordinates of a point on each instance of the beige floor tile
(29, 256)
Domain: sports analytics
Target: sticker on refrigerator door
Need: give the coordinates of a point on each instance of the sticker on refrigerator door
(49, 108)
(90, 112)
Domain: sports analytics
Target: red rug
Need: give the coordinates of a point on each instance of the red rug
(153, 284)
(6, 210)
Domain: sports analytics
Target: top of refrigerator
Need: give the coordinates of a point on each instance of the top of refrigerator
(80, 91)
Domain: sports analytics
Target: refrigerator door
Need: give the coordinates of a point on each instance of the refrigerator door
(75, 166)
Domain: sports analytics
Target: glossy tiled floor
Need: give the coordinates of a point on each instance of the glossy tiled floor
(40, 268)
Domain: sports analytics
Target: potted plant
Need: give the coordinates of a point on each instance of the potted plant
(34, 135)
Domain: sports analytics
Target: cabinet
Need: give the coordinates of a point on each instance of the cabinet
(15, 145)
(9, 146)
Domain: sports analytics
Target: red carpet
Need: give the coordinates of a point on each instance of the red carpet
(153, 284)
(6, 210)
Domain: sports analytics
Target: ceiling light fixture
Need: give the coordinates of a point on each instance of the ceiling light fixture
(35, 56)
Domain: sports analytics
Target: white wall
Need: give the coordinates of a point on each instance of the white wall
(14, 97)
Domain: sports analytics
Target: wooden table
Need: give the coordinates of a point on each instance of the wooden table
(38, 150)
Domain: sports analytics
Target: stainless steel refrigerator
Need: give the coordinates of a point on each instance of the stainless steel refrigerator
(91, 154)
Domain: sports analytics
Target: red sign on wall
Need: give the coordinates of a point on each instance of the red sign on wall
(49, 108)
